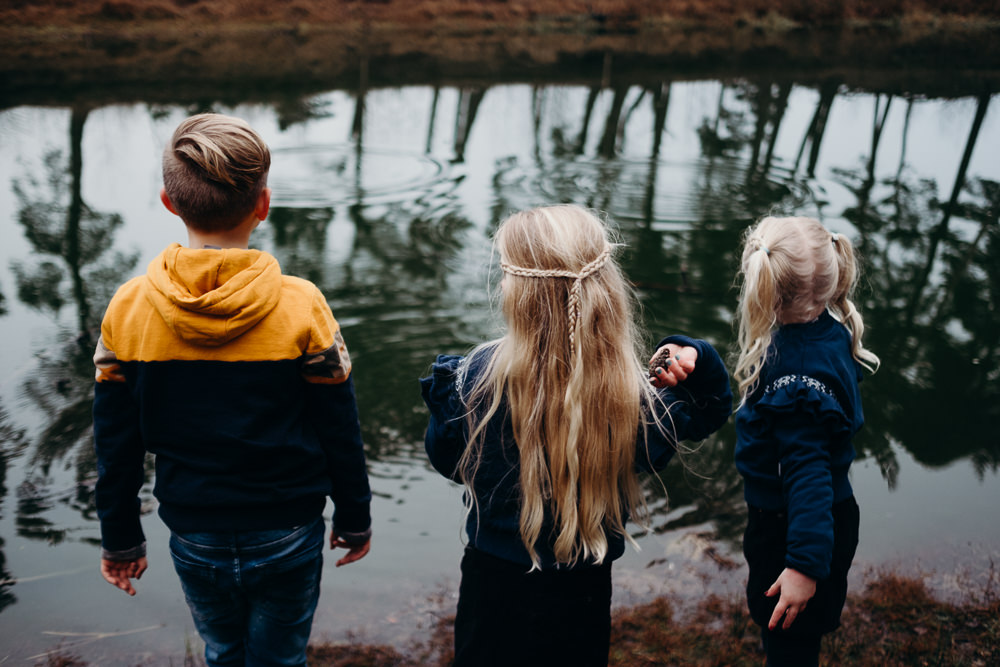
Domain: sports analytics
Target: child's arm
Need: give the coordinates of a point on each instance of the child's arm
(699, 403)
(332, 408)
(120, 456)
(445, 436)
(808, 489)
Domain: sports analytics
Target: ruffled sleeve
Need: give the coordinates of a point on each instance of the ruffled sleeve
(445, 437)
(804, 418)
(791, 394)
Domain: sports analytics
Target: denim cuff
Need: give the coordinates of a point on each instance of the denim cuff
(135, 553)
(355, 539)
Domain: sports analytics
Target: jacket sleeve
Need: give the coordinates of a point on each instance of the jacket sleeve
(804, 422)
(445, 438)
(120, 457)
(692, 410)
(333, 409)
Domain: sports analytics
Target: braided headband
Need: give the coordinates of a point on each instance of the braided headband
(573, 302)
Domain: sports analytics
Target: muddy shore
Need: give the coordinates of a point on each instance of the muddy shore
(92, 52)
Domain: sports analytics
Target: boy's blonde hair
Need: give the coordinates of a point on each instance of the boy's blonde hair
(214, 169)
(570, 373)
(791, 269)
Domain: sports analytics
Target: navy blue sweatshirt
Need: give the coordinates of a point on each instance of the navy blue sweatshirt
(793, 443)
(237, 378)
(697, 407)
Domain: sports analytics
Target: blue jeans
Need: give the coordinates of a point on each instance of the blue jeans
(252, 594)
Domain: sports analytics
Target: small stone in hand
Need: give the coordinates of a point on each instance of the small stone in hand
(661, 360)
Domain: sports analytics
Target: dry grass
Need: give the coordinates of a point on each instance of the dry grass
(894, 622)
(610, 13)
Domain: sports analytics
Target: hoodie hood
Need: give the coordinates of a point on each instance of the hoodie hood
(208, 297)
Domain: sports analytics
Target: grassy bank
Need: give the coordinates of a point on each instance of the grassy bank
(895, 621)
(612, 14)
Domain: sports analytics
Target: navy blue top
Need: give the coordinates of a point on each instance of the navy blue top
(793, 436)
(696, 407)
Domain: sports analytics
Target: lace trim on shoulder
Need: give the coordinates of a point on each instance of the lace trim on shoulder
(808, 381)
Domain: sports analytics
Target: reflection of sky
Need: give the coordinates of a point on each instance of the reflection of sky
(121, 148)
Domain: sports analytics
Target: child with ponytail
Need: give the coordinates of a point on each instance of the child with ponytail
(800, 362)
(547, 428)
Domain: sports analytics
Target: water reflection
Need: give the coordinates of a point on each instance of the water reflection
(71, 263)
(387, 199)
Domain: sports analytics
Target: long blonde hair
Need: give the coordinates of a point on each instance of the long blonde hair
(791, 269)
(569, 370)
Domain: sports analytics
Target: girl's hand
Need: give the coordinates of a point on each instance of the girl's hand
(796, 590)
(673, 364)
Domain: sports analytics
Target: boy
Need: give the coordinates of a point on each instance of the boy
(237, 378)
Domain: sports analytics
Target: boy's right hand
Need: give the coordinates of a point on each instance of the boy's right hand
(354, 551)
(118, 573)
(673, 364)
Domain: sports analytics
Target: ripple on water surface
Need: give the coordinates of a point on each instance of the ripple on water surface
(666, 195)
(325, 175)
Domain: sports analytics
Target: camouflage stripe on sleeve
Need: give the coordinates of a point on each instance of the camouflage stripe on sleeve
(331, 366)
(106, 362)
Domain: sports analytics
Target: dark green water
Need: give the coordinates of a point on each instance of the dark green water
(386, 198)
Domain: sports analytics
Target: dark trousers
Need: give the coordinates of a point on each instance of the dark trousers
(764, 545)
(509, 616)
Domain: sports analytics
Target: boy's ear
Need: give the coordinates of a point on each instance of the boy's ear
(263, 203)
(166, 201)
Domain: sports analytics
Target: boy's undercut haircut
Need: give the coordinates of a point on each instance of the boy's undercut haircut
(214, 170)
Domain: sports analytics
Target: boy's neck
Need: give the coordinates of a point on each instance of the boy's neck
(238, 237)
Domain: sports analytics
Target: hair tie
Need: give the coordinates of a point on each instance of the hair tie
(835, 237)
(767, 251)
(573, 302)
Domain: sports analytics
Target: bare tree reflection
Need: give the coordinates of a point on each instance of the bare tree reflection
(11, 443)
(937, 336)
(71, 244)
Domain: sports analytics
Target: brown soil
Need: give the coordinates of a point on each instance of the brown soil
(611, 14)
(93, 52)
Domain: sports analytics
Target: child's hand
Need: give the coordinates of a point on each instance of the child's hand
(354, 551)
(796, 590)
(671, 364)
(119, 572)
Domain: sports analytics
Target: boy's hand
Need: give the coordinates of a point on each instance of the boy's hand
(796, 590)
(119, 572)
(354, 551)
(673, 364)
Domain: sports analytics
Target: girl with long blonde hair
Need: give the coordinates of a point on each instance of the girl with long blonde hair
(800, 362)
(547, 428)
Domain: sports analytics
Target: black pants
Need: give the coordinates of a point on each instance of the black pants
(764, 545)
(509, 616)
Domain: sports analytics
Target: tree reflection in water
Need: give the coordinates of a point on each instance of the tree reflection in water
(71, 263)
(404, 289)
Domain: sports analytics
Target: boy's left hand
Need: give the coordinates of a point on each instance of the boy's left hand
(118, 573)
(354, 551)
(677, 366)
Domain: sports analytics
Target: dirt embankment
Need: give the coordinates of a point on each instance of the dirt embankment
(98, 51)
(611, 14)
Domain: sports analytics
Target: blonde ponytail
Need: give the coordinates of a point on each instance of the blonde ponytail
(759, 304)
(844, 308)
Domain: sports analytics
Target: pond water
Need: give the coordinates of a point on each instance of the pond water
(386, 199)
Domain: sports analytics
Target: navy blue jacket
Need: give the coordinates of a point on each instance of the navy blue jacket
(237, 379)
(697, 407)
(793, 443)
